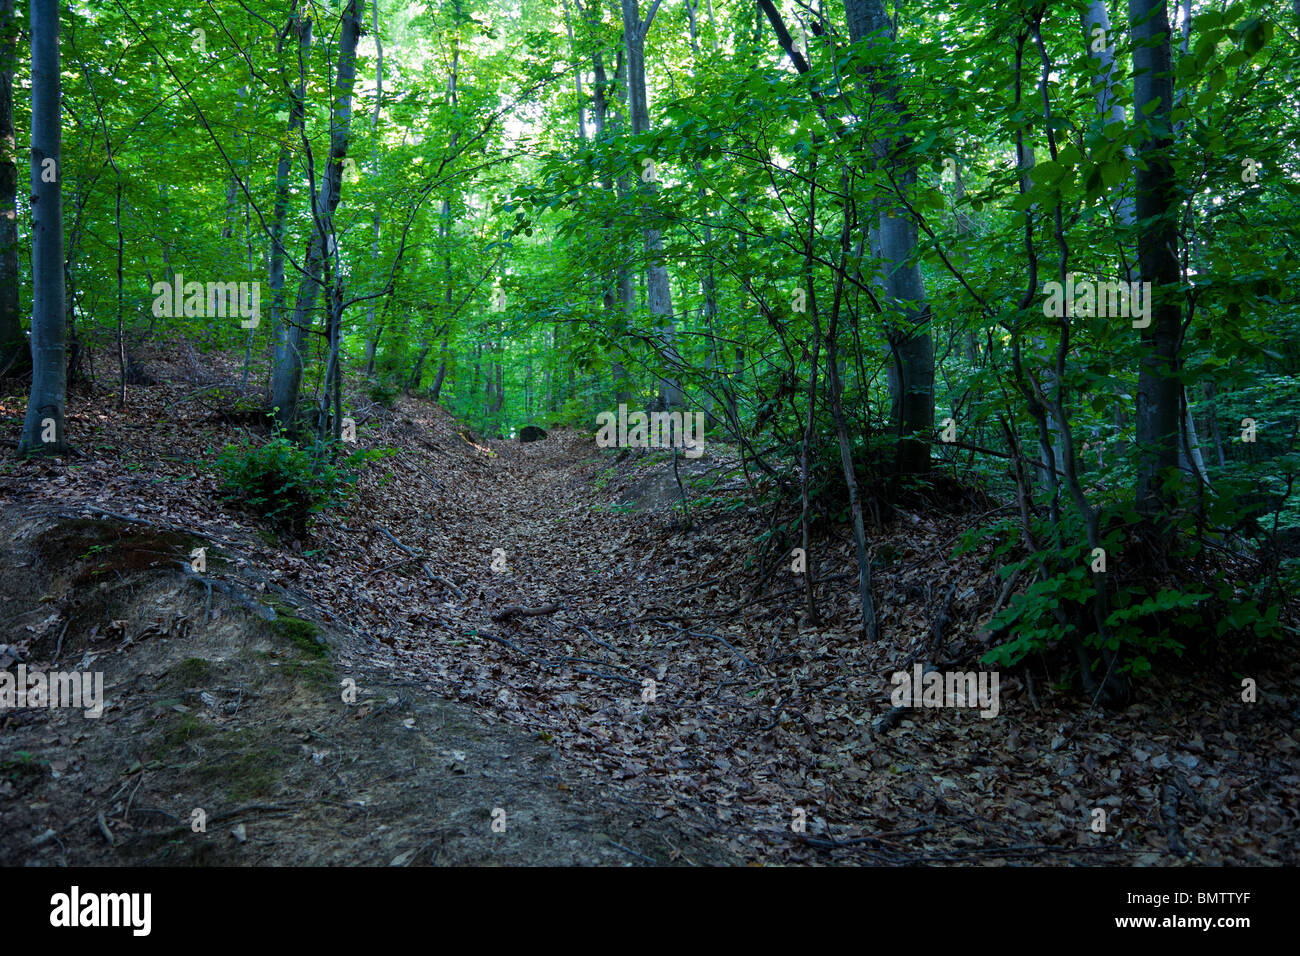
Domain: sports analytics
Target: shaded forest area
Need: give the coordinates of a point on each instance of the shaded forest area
(597, 432)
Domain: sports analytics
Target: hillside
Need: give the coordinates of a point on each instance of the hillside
(626, 685)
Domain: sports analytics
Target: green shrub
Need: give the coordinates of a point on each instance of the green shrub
(286, 483)
(1146, 616)
(384, 391)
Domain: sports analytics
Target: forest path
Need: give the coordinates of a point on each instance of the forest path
(755, 726)
(677, 693)
(212, 709)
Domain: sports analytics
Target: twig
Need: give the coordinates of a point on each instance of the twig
(514, 610)
(436, 578)
(618, 677)
(58, 648)
(103, 828)
(1169, 796)
(595, 639)
(510, 644)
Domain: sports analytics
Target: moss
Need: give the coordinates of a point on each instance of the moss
(183, 729)
(302, 633)
(243, 774)
(317, 673)
(192, 672)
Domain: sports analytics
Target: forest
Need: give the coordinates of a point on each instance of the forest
(628, 432)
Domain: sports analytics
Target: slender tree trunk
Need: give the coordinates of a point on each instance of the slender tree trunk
(805, 449)
(626, 294)
(1159, 399)
(333, 382)
(603, 118)
(436, 389)
(1212, 417)
(372, 331)
(444, 241)
(289, 362)
(124, 362)
(284, 337)
(658, 291)
(835, 392)
(43, 428)
(577, 75)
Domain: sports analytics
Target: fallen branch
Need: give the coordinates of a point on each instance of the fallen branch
(618, 677)
(596, 640)
(633, 852)
(435, 578)
(514, 610)
(554, 665)
(714, 637)
(103, 828)
(510, 644)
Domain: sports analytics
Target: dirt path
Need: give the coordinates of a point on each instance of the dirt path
(761, 726)
(218, 719)
(665, 712)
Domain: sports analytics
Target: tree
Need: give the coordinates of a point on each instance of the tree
(285, 337)
(909, 337)
(287, 374)
(659, 297)
(1159, 394)
(43, 428)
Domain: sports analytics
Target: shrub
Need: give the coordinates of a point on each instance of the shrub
(384, 391)
(286, 483)
(1150, 611)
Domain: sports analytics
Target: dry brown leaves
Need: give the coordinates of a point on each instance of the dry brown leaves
(757, 721)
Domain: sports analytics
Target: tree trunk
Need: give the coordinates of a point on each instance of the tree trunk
(372, 332)
(436, 389)
(1159, 399)
(658, 292)
(43, 428)
(282, 335)
(909, 337)
(288, 360)
(13, 346)
(835, 392)
(577, 75)
(621, 300)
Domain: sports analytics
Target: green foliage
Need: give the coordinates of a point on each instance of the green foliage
(1145, 618)
(285, 483)
(384, 391)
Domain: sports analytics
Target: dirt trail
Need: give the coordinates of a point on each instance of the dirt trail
(664, 713)
(214, 713)
(762, 725)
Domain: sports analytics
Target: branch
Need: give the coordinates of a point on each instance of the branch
(649, 18)
(782, 35)
(514, 610)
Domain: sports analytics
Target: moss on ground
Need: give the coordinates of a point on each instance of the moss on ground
(303, 634)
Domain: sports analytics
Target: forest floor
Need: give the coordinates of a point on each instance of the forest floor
(675, 708)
